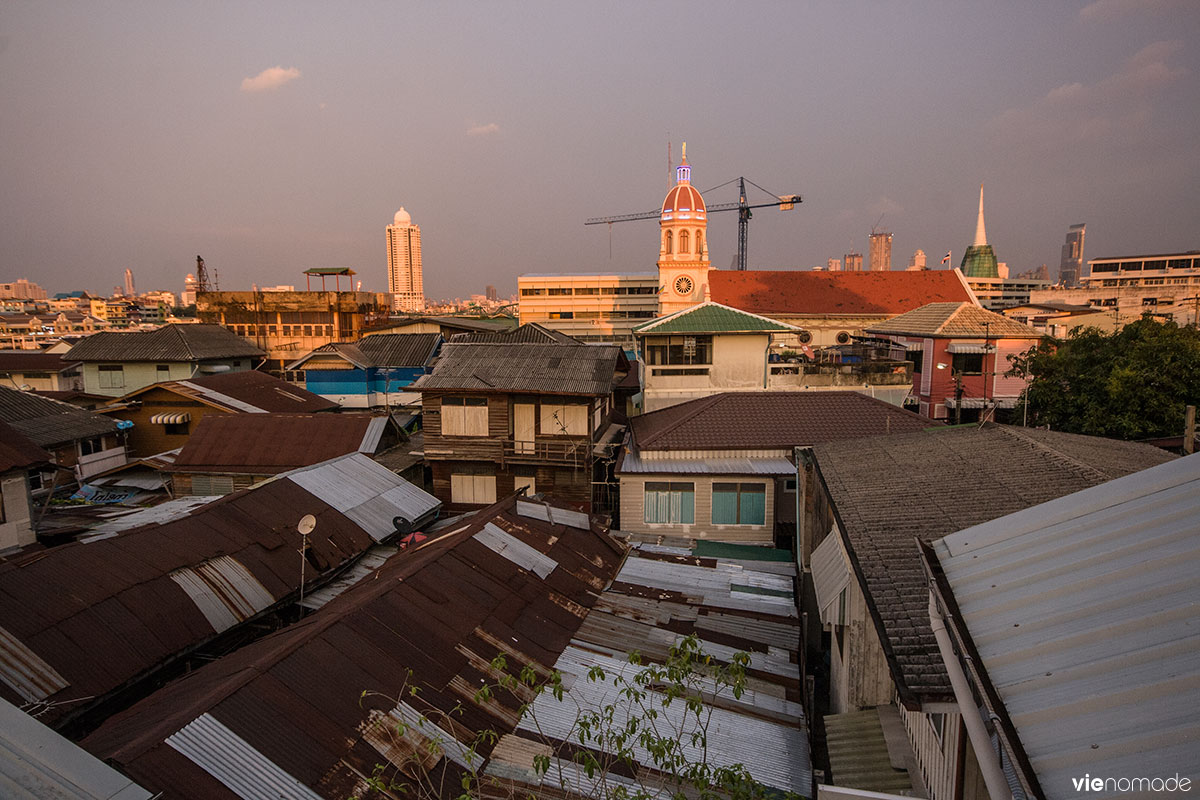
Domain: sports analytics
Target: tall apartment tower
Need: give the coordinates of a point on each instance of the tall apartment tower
(880, 250)
(129, 283)
(404, 263)
(853, 262)
(1071, 266)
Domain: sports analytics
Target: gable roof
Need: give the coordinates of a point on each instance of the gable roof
(529, 333)
(33, 361)
(711, 317)
(257, 389)
(48, 422)
(265, 444)
(770, 420)
(955, 320)
(84, 619)
(169, 343)
(380, 350)
(1108, 576)
(458, 324)
(889, 491)
(794, 292)
(578, 369)
(316, 704)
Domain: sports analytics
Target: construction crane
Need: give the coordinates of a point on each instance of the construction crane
(784, 202)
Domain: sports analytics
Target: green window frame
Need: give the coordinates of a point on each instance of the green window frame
(739, 504)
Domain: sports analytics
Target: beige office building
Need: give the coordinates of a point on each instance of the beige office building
(1164, 284)
(592, 308)
(404, 263)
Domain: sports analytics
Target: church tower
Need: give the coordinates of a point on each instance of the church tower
(683, 245)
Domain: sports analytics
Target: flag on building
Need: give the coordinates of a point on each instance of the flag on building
(946, 259)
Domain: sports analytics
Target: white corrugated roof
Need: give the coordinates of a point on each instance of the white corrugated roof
(1086, 614)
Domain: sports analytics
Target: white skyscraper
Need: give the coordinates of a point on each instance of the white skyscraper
(404, 263)
(129, 290)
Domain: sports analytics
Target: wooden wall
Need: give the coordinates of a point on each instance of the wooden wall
(937, 760)
(566, 485)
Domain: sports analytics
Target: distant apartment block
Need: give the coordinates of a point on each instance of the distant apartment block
(591, 308)
(880, 249)
(21, 289)
(1070, 268)
(834, 265)
(853, 262)
(1166, 285)
(405, 280)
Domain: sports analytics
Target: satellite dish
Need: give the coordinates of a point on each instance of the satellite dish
(306, 525)
(402, 525)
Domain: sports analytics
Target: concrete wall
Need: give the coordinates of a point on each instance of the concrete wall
(16, 530)
(138, 375)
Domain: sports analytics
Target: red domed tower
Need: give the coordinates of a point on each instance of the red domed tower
(683, 245)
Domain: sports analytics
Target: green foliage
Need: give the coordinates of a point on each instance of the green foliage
(1132, 384)
(642, 728)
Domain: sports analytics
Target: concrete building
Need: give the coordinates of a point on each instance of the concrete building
(22, 289)
(1166, 285)
(405, 281)
(880, 249)
(853, 262)
(289, 324)
(918, 261)
(1000, 293)
(129, 289)
(188, 296)
(834, 265)
(1070, 268)
(591, 308)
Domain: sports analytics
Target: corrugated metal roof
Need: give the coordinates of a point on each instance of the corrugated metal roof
(377, 350)
(169, 343)
(516, 551)
(104, 613)
(1084, 613)
(48, 422)
(529, 333)
(578, 369)
(163, 512)
(22, 669)
(634, 464)
(830, 575)
(38, 764)
(265, 444)
(554, 514)
(368, 564)
(711, 317)
(443, 610)
(367, 493)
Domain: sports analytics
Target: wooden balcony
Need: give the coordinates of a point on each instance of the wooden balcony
(547, 451)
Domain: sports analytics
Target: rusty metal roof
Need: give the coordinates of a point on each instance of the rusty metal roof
(48, 422)
(169, 343)
(83, 619)
(504, 580)
(265, 444)
(17, 451)
(579, 369)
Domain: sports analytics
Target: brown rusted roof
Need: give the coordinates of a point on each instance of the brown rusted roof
(770, 420)
(443, 610)
(48, 422)
(17, 451)
(262, 391)
(83, 619)
(265, 444)
(33, 361)
(579, 369)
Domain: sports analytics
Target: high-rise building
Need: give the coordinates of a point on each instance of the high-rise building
(129, 291)
(834, 265)
(853, 262)
(918, 261)
(490, 293)
(880, 250)
(404, 263)
(1071, 266)
(980, 261)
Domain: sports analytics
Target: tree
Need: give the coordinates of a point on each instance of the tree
(655, 729)
(1131, 384)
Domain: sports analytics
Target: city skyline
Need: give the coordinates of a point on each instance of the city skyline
(156, 132)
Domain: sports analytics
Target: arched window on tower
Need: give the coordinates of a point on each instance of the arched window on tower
(668, 243)
(699, 243)
(683, 241)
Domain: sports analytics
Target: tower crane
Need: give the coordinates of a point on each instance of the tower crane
(784, 202)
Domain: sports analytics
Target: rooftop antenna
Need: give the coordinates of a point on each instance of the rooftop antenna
(304, 527)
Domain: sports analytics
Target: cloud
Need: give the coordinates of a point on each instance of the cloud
(483, 130)
(1108, 10)
(1118, 106)
(269, 79)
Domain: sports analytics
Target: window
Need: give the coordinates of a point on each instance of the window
(680, 350)
(968, 363)
(560, 419)
(472, 489)
(562, 315)
(699, 243)
(917, 357)
(789, 485)
(670, 503)
(212, 484)
(559, 290)
(89, 447)
(532, 292)
(527, 482)
(162, 372)
(668, 243)
(464, 416)
(739, 504)
(683, 241)
(112, 376)
(176, 428)
(938, 723)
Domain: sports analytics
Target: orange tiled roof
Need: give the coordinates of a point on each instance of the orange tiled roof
(783, 292)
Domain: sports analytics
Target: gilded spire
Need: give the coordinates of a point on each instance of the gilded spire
(980, 230)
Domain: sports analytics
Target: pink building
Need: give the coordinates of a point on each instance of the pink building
(960, 354)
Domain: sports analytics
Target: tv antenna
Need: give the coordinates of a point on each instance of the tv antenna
(304, 527)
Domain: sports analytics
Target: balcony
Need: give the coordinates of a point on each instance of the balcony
(546, 451)
(95, 463)
(808, 375)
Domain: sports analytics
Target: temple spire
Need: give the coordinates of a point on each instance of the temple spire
(980, 230)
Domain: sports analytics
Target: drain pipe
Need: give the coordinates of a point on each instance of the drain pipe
(989, 765)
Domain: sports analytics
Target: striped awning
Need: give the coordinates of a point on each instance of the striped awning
(968, 347)
(170, 419)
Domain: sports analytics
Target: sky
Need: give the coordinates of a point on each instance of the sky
(272, 137)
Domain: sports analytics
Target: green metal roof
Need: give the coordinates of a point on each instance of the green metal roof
(712, 318)
(329, 271)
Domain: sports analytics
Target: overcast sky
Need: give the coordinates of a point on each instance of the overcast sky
(273, 137)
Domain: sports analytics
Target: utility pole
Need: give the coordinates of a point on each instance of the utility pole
(1189, 430)
(958, 396)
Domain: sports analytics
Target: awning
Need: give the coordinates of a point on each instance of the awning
(170, 419)
(965, 347)
(979, 402)
(831, 575)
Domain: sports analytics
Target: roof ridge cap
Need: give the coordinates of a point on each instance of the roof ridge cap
(702, 404)
(1053, 452)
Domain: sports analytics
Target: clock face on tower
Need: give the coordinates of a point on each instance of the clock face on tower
(683, 285)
